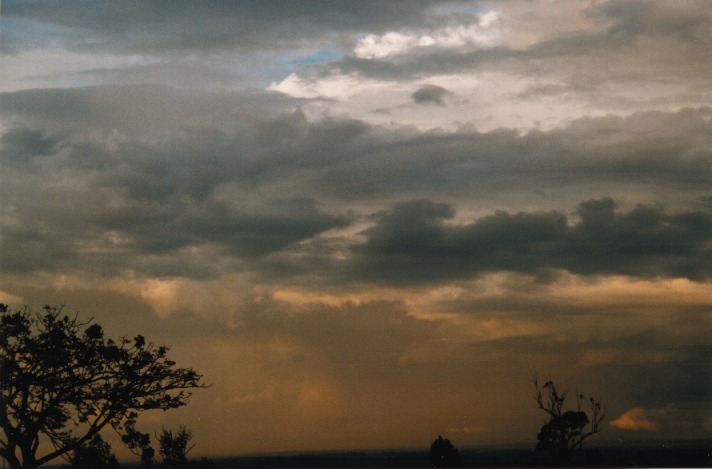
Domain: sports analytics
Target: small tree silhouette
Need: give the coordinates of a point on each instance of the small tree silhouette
(64, 382)
(95, 454)
(565, 431)
(138, 443)
(443, 453)
(174, 448)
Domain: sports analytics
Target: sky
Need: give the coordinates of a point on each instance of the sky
(370, 223)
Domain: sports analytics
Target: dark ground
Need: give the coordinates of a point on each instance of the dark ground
(696, 453)
(683, 454)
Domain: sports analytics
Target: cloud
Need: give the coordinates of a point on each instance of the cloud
(413, 242)
(166, 27)
(482, 33)
(224, 188)
(634, 419)
(22, 145)
(430, 94)
(639, 419)
(136, 110)
(598, 50)
(688, 21)
(161, 240)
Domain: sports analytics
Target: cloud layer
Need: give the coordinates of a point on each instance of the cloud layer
(186, 199)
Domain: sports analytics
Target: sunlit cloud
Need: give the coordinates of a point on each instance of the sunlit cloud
(638, 418)
(634, 419)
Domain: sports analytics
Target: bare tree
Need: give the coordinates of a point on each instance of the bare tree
(565, 431)
(62, 382)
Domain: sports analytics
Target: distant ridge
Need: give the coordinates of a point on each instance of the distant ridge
(644, 453)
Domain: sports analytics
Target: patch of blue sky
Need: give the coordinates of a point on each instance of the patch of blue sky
(321, 56)
(285, 65)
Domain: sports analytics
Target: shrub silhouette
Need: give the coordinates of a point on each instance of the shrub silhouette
(174, 447)
(95, 454)
(443, 453)
(63, 381)
(565, 431)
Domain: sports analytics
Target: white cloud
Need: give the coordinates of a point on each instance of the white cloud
(485, 100)
(333, 87)
(483, 33)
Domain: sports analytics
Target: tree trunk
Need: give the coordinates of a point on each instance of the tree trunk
(28, 456)
(11, 459)
(13, 464)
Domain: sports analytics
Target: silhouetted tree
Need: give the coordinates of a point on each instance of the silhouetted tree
(565, 431)
(94, 454)
(174, 448)
(443, 453)
(138, 443)
(64, 382)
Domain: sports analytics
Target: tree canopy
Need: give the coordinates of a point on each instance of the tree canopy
(565, 431)
(63, 382)
(174, 447)
(443, 453)
(95, 454)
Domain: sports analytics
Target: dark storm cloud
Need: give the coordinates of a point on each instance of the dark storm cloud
(686, 381)
(212, 138)
(116, 202)
(633, 375)
(430, 94)
(413, 242)
(283, 222)
(642, 148)
(165, 26)
(160, 177)
(245, 233)
(164, 239)
(21, 145)
(140, 110)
